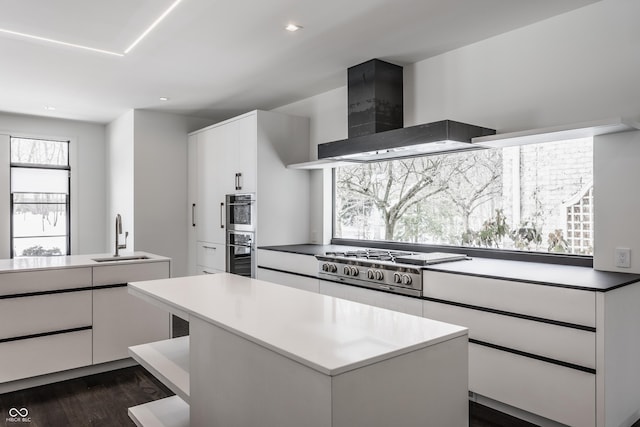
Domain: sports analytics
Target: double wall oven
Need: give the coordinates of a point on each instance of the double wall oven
(241, 227)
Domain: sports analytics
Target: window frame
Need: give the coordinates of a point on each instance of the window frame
(66, 167)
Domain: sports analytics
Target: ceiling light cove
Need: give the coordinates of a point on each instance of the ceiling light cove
(293, 27)
(44, 39)
(152, 26)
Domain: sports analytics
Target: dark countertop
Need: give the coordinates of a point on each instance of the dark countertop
(584, 278)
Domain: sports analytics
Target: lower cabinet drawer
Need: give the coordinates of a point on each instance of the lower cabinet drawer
(211, 255)
(562, 394)
(292, 280)
(125, 273)
(201, 269)
(37, 356)
(44, 313)
(543, 339)
(393, 302)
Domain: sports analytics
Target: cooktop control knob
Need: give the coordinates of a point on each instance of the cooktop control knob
(333, 268)
(325, 267)
(354, 271)
(397, 278)
(370, 274)
(379, 275)
(406, 279)
(346, 270)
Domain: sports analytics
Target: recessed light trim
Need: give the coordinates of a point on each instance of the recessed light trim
(164, 98)
(44, 39)
(49, 108)
(293, 27)
(152, 26)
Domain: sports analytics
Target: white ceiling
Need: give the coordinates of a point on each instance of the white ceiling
(216, 59)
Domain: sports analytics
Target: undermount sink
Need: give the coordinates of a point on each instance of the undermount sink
(121, 258)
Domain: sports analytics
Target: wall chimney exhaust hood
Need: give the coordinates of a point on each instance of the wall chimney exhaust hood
(375, 122)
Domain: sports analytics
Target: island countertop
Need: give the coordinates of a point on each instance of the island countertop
(327, 334)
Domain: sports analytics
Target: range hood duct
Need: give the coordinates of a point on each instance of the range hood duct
(375, 121)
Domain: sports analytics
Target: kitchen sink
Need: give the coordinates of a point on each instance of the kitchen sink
(120, 258)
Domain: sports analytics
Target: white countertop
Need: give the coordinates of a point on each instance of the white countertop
(330, 335)
(71, 261)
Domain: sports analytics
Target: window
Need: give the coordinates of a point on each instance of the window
(40, 180)
(535, 197)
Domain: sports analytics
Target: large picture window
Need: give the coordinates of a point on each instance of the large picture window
(536, 197)
(40, 180)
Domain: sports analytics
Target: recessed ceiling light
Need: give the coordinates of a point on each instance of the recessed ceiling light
(44, 39)
(292, 27)
(156, 22)
(164, 98)
(49, 107)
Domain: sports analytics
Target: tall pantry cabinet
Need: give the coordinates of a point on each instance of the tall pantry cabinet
(247, 154)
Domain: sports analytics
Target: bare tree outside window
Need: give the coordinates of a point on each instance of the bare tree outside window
(513, 198)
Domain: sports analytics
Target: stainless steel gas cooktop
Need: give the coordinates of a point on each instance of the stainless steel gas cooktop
(394, 271)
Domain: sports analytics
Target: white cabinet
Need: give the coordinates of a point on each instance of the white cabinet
(210, 257)
(192, 198)
(287, 279)
(376, 298)
(225, 160)
(531, 346)
(211, 173)
(121, 320)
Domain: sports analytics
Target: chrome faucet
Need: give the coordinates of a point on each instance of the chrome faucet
(118, 232)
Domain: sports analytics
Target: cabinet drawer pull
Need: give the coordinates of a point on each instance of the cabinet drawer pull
(208, 272)
(221, 214)
(209, 247)
(193, 215)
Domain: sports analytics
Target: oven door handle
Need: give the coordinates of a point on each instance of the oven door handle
(238, 246)
(241, 203)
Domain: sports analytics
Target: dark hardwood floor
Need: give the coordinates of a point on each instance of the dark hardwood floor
(103, 399)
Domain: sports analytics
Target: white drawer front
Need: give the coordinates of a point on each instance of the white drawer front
(548, 302)
(211, 255)
(561, 394)
(543, 339)
(45, 280)
(292, 280)
(201, 269)
(38, 356)
(296, 263)
(44, 313)
(378, 299)
(116, 274)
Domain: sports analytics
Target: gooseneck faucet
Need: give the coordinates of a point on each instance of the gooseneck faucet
(118, 232)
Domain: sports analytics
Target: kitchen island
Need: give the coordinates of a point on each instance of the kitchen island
(269, 355)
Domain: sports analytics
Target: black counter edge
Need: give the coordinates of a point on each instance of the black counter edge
(534, 282)
(534, 356)
(45, 334)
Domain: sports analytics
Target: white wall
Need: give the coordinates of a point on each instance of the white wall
(328, 113)
(87, 175)
(616, 199)
(575, 67)
(160, 184)
(119, 190)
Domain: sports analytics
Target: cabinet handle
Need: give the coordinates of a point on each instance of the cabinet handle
(193, 215)
(207, 272)
(208, 247)
(239, 181)
(221, 214)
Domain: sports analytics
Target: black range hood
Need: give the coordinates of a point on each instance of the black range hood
(376, 119)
